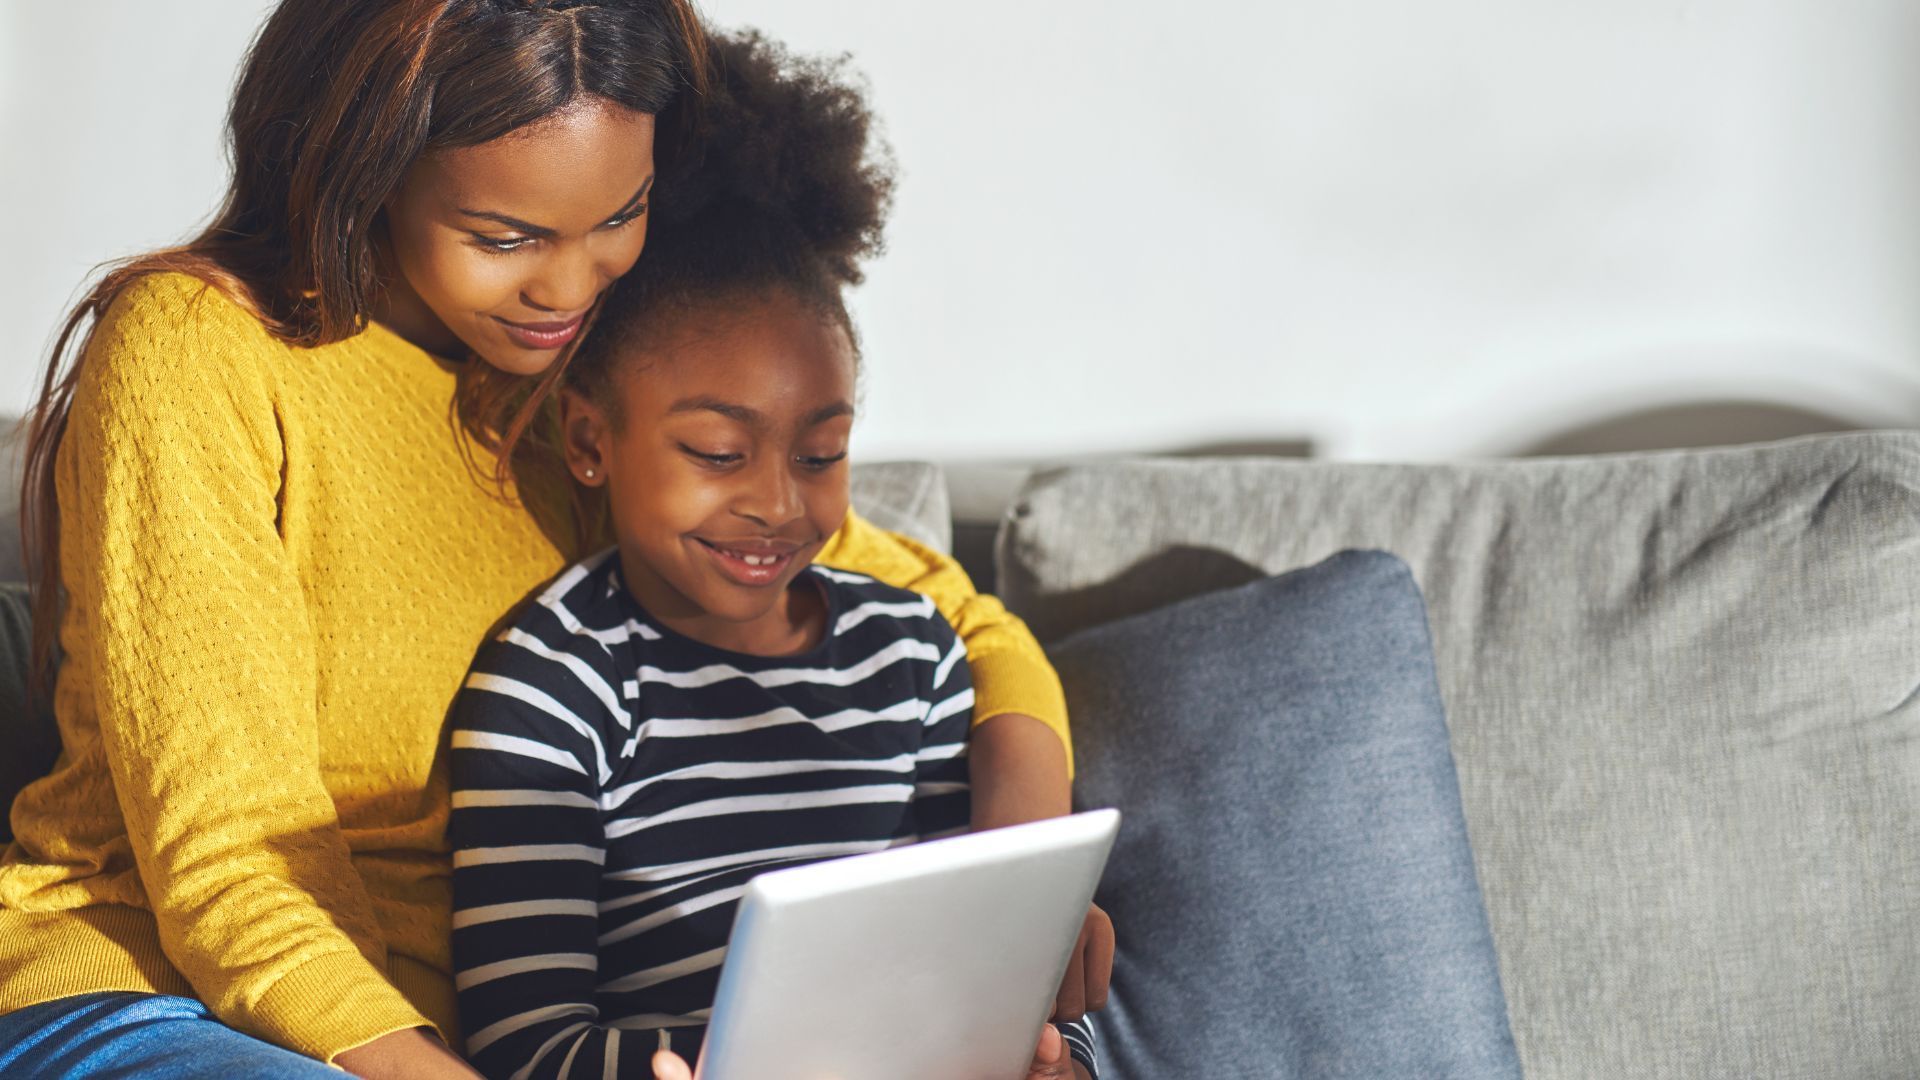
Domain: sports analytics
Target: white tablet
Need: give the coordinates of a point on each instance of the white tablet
(938, 961)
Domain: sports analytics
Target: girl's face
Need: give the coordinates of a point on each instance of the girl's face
(726, 470)
(501, 248)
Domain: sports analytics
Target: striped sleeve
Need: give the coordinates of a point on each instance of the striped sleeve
(1008, 666)
(528, 765)
(942, 801)
(1081, 1044)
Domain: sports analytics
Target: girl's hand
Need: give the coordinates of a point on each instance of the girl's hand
(668, 1065)
(1051, 1060)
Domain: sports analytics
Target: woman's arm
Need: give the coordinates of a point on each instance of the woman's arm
(188, 643)
(1019, 713)
(1020, 757)
(1010, 671)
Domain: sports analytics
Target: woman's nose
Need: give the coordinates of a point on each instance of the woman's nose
(568, 282)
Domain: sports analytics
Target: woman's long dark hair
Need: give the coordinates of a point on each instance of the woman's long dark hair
(336, 100)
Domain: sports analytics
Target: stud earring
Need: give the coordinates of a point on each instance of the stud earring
(590, 474)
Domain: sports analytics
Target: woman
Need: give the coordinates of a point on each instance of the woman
(276, 561)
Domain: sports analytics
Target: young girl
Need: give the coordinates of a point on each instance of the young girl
(269, 561)
(702, 702)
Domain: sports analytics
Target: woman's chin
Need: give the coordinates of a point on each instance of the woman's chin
(514, 360)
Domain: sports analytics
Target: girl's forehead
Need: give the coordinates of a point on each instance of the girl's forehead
(775, 358)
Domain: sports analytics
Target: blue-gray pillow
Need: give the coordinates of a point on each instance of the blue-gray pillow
(1292, 889)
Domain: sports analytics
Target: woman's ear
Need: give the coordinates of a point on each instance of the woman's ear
(586, 436)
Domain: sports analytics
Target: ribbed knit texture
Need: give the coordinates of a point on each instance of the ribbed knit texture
(278, 568)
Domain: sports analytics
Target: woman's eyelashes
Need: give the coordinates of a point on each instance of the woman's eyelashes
(500, 245)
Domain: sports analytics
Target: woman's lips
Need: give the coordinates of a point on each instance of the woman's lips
(541, 335)
(748, 565)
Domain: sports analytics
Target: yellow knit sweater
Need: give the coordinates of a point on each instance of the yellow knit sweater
(278, 568)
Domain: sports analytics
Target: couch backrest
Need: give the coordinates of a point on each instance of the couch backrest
(1682, 698)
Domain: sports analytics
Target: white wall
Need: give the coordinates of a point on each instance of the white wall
(1397, 227)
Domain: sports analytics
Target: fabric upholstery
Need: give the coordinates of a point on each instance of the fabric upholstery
(28, 740)
(1292, 887)
(1682, 696)
(907, 497)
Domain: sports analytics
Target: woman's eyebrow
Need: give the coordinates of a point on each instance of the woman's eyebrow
(638, 196)
(541, 231)
(513, 223)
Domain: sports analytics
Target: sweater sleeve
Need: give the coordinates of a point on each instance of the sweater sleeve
(1010, 672)
(188, 629)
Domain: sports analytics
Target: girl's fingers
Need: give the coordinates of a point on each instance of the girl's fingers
(1099, 958)
(1071, 1002)
(668, 1065)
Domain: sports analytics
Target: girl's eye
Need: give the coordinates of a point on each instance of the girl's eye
(500, 244)
(711, 459)
(820, 464)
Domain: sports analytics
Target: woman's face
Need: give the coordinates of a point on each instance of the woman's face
(501, 248)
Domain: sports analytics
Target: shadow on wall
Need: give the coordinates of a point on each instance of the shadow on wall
(1675, 427)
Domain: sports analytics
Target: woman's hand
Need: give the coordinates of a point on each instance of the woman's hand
(406, 1055)
(1084, 989)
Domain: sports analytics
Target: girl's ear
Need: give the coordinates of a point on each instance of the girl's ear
(586, 437)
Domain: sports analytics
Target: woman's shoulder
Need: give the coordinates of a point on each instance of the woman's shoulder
(169, 336)
(171, 312)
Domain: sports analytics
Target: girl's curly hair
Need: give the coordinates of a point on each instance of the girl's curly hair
(785, 187)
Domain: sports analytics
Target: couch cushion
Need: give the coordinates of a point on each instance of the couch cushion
(28, 740)
(907, 497)
(12, 457)
(1681, 688)
(1292, 886)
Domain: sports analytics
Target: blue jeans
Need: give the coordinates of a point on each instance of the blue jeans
(111, 1035)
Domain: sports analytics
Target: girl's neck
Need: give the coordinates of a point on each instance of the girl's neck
(796, 623)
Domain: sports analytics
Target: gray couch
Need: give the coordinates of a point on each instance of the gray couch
(1681, 690)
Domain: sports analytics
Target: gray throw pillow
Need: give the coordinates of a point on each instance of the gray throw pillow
(1292, 890)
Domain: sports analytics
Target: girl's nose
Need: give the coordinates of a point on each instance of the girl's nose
(771, 496)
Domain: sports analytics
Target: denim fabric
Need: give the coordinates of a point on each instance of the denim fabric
(1292, 890)
(110, 1036)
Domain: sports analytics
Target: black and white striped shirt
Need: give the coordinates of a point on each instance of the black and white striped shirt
(616, 784)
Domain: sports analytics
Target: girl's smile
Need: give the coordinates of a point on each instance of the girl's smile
(722, 445)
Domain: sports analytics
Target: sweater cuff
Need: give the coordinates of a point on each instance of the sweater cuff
(332, 1004)
(1013, 682)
